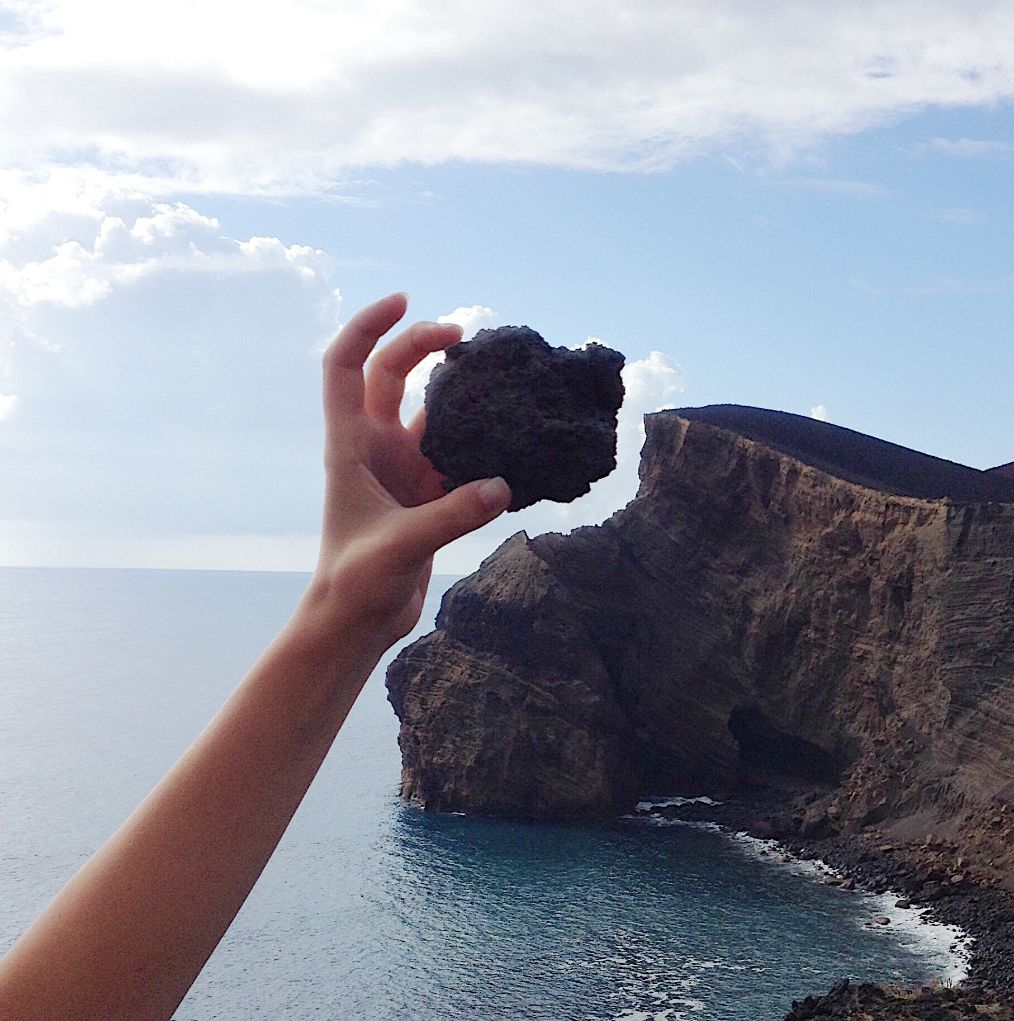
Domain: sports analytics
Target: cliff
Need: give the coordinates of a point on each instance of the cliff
(785, 603)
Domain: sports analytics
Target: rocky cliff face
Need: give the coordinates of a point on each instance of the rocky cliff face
(785, 601)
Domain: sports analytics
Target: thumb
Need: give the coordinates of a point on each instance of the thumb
(430, 526)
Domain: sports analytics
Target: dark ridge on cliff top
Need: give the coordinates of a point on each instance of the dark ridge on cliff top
(1006, 470)
(859, 458)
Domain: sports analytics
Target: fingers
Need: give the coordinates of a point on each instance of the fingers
(386, 372)
(360, 334)
(344, 359)
(425, 529)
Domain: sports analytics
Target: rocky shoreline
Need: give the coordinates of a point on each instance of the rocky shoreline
(929, 874)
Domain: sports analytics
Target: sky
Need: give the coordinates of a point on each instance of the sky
(801, 206)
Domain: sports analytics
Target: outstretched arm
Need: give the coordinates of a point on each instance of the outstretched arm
(128, 935)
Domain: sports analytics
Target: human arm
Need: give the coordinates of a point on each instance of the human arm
(128, 935)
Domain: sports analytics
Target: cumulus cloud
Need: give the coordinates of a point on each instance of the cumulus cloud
(184, 403)
(70, 242)
(819, 412)
(154, 369)
(651, 384)
(281, 101)
(472, 319)
(651, 381)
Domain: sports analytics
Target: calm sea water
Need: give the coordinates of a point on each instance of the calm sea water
(370, 909)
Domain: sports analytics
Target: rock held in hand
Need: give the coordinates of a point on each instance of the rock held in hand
(506, 403)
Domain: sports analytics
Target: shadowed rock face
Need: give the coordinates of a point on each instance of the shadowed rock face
(783, 599)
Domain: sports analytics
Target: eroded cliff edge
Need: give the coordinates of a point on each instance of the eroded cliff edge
(784, 601)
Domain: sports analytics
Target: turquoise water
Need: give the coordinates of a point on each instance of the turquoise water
(370, 909)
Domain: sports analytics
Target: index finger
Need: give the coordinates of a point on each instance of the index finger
(344, 359)
(385, 375)
(359, 336)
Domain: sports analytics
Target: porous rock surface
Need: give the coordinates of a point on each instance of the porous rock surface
(863, 1002)
(506, 403)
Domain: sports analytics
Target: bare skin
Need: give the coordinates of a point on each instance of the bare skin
(130, 932)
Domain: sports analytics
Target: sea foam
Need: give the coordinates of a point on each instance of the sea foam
(946, 948)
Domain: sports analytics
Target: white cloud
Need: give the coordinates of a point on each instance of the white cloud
(970, 148)
(651, 383)
(284, 100)
(471, 319)
(154, 370)
(70, 242)
(185, 403)
(416, 380)
(819, 412)
(844, 188)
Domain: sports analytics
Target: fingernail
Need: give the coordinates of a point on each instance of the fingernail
(495, 494)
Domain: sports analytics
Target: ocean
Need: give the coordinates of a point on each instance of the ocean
(371, 910)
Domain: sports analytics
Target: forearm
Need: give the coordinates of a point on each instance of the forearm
(130, 932)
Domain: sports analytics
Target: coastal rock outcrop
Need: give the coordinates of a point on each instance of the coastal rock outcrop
(785, 601)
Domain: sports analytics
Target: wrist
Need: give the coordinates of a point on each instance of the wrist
(335, 621)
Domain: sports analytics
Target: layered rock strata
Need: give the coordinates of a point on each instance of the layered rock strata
(784, 600)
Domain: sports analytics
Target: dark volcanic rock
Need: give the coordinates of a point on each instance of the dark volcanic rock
(866, 1002)
(506, 403)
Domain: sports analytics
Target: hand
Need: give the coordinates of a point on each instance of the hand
(385, 513)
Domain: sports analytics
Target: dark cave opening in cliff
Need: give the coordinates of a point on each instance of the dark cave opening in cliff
(765, 749)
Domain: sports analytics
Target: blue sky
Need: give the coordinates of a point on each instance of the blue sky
(794, 206)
